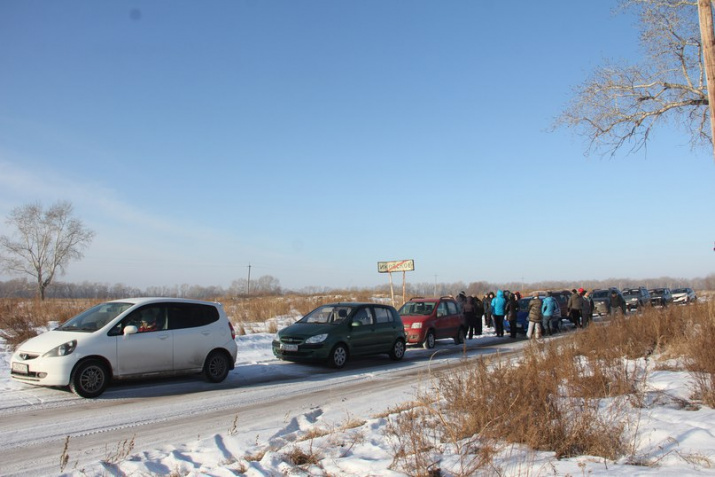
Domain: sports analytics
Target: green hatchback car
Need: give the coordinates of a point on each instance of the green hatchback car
(335, 332)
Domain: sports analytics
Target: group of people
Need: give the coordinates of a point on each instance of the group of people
(544, 315)
(493, 308)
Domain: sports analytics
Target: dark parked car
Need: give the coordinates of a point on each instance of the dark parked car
(429, 319)
(684, 296)
(335, 332)
(636, 298)
(661, 296)
(602, 301)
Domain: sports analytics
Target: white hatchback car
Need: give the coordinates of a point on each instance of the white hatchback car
(130, 338)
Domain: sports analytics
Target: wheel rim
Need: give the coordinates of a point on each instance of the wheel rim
(92, 379)
(217, 366)
(430, 340)
(399, 349)
(340, 356)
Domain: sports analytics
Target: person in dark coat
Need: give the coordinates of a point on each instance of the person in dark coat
(575, 306)
(512, 308)
(469, 309)
(488, 309)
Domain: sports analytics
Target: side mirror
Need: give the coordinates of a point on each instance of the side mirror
(130, 330)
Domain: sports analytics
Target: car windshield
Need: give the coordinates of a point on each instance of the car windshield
(328, 314)
(524, 304)
(657, 291)
(95, 318)
(680, 290)
(631, 292)
(600, 294)
(416, 308)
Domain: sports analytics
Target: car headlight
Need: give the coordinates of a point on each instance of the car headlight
(417, 326)
(317, 338)
(61, 350)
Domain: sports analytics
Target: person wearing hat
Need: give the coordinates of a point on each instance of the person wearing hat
(548, 310)
(575, 306)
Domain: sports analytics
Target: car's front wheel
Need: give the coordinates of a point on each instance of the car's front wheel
(89, 379)
(216, 367)
(398, 350)
(429, 341)
(338, 356)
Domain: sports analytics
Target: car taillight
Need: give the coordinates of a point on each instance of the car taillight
(233, 332)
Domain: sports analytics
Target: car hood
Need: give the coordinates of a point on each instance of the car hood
(409, 319)
(46, 341)
(306, 330)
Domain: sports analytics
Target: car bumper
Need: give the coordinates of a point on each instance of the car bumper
(305, 353)
(55, 371)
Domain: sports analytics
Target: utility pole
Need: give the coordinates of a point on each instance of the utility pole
(248, 284)
(707, 37)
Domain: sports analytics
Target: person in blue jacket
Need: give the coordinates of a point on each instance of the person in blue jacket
(498, 309)
(548, 310)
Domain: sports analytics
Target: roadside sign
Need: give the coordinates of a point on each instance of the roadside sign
(396, 266)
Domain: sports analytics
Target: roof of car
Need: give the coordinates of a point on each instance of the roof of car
(433, 298)
(155, 299)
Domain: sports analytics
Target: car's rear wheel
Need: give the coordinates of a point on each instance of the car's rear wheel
(398, 350)
(429, 341)
(459, 338)
(338, 356)
(216, 367)
(89, 379)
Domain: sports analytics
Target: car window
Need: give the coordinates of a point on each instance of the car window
(416, 308)
(441, 309)
(364, 316)
(327, 314)
(95, 318)
(190, 315)
(452, 308)
(147, 318)
(382, 315)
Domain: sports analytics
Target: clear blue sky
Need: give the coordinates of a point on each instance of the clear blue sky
(313, 139)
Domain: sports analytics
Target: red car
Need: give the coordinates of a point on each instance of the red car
(429, 319)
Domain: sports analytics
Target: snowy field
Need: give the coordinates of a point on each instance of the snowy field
(674, 436)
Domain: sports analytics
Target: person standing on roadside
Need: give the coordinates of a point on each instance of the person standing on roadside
(512, 308)
(488, 310)
(587, 310)
(498, 310)
(548, 310)
(469, 310)
(575, 306)
(534, 318)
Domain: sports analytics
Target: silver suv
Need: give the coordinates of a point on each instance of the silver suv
(636, 298)
(130, 338)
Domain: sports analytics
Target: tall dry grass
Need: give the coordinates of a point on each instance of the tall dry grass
(20, 318)
(553, 397)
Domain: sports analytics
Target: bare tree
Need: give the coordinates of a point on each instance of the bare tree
(621, 105)
(44, 243)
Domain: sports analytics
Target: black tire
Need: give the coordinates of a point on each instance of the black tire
(216, 367)
(429, 341)
(459, 339)
(89, 378)
(338, 356)
(398, 350)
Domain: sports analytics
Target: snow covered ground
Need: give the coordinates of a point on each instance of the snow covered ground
(673, 438)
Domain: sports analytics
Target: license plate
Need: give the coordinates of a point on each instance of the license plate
(20, 368)
(289, 347)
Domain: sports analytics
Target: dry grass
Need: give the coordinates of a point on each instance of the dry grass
(553, 397)
(19, 319)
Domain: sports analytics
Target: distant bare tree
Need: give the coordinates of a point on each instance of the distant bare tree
(45, 241)
(622, 104)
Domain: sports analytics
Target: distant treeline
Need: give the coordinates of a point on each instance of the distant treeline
(270, 286)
